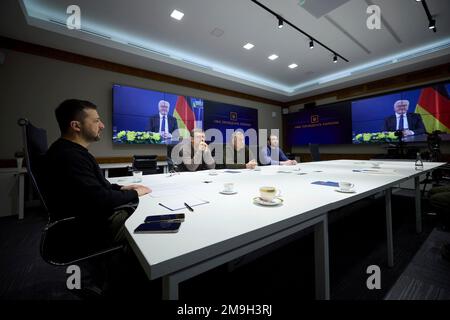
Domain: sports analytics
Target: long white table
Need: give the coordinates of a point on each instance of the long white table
(230, 226)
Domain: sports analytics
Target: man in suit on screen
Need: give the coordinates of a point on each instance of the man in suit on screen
(163, 122)
(407, 122)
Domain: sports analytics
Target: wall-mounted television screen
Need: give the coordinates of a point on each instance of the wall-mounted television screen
(323, 125)
(142, 116)
(408, 114)
(225, 117)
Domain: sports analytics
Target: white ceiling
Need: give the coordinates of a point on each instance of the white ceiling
(188, 50)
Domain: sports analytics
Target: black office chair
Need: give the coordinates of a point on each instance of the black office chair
(60, 244)
(147, 164)
(315, 153)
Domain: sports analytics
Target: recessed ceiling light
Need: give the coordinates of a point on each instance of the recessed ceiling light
(177, 14)
(248, 46)
(273, 57)
(293, 66)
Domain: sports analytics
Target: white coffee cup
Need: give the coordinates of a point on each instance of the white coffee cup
(268, 193)
(346, 186)
(137, 176)
(212, 172)
(228, 187)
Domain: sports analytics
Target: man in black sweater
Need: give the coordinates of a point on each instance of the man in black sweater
(75, 185)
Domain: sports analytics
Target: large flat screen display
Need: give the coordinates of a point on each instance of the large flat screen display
(143, 116)
(408, 114)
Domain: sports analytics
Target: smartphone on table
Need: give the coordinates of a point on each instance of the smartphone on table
(158, 227)
(175, 217)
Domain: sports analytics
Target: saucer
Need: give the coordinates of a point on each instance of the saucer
(275, 202)
(346, 191)
(228, 192)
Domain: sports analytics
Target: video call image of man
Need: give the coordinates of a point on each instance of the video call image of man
(200, 157)
(163, 122)
(407, 122)
(273, 155)
(237, 155)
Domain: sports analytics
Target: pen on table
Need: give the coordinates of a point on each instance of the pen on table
(164, 206)
(189, 207)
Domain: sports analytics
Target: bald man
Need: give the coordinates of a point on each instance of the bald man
(163, 122)
(409, 123)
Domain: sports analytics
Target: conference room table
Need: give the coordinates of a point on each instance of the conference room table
(229, 226)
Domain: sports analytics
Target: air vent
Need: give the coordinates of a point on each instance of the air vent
(60, 23)
(148, 49)
(97, 34)
(217, 32)
(197, 64)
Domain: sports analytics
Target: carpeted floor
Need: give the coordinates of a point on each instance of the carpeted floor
(357, 240)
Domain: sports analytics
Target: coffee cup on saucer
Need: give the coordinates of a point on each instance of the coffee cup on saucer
(267, 193)
(346, 186)
(228, 187)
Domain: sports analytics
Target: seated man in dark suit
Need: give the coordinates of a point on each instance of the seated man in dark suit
(199, 157)
(163, 122)
(407, 122)
(273, 155)
(75, 185)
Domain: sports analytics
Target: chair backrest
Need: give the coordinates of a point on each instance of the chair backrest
(146, 163)
(35, 143)
(314, 150)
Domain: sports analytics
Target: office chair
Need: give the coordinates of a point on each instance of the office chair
(58, 245)
(147, 164)
(315, 153)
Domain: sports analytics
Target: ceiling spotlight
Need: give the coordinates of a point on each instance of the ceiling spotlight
(178, 15)
(335, 59)
(311, 44)
(293, 66)
(418, 0)
(248, 46)
(273, 57)
(432, 24)
(280, 23)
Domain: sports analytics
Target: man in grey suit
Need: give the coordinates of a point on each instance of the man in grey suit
(163, 123)
(409, 123)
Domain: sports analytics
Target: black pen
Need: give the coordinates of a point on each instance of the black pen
(164, 206)
(189, 207)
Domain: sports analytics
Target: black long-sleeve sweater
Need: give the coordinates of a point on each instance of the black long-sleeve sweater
(75, 185)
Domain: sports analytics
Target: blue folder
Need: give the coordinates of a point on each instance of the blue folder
(326, 183)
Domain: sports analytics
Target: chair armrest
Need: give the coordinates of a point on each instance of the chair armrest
(129, 207)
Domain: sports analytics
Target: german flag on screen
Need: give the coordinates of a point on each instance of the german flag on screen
(184, 115)
(434, 108)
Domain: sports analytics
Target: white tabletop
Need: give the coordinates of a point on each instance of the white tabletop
(230, 221)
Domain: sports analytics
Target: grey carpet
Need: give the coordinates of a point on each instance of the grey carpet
(427, 277)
